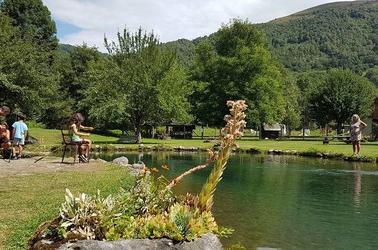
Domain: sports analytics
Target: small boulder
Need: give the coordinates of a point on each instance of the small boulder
(123, 161)
(140, 165)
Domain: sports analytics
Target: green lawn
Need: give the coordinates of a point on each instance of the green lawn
(368, 149)
(49, 138)
(29, 200)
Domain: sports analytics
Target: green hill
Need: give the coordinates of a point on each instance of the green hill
(65, 48)
(334, 35)
(342, 34)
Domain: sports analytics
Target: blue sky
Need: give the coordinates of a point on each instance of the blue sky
(64, 28)
(88, 21)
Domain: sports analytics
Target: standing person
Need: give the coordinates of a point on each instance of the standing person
(74, 131)
(19, 133)
(356, 133)
(4, 111)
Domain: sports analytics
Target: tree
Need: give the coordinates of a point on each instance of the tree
(237, 65)
(372, 75)
(73, 67)
(308, 84)
(106, 99)
(26, 80)
(34, 21)
(340, 95)
(140, 81)
(292, 109)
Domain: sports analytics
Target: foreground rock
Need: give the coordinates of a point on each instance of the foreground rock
(134, 169)
(207, 242)
(123, 161)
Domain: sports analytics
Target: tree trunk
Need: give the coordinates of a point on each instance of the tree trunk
(153, 132)
(260, 131)
(338, 128)
(288, 131)
(202, 132)
(138, 135)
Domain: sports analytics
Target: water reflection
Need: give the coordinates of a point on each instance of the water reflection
(357, 184)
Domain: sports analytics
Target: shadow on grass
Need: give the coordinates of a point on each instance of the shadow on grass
(368, 144)
(123, 143)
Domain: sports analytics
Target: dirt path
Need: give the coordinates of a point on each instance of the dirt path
(28, 166)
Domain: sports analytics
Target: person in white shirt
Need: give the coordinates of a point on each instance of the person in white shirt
(356, 133)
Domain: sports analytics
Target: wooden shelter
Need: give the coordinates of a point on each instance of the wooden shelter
(180, 131)
(273, 131)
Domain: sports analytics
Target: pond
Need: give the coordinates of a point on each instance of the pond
(286, 202)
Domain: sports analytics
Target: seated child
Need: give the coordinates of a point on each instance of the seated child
(74, 130)
(20, 132)
(5, 142)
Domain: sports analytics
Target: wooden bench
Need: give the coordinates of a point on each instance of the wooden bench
(66, 141)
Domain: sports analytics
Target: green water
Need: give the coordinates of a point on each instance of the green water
(287, 202)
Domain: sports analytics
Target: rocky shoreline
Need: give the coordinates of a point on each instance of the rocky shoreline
(255, 151)
(309, 153)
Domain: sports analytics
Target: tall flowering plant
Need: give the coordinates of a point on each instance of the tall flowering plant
(235, 124)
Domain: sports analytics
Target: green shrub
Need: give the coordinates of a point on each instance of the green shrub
(148, 210)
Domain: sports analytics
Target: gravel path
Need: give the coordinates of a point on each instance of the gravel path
(28, 166)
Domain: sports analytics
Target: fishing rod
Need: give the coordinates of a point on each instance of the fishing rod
(53, 151)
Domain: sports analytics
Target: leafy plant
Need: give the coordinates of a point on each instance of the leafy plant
(180, 216)
(82, 215)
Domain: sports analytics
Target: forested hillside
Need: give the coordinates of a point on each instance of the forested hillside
(329, 36)
(336, 35)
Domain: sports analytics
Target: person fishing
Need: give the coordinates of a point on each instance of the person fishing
(356, 133)
(75, 125)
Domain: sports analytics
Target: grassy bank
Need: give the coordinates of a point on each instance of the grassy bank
(29, 200)
(49, 138)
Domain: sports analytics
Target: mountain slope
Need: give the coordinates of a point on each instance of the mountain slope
(334, 35)
(343, 34)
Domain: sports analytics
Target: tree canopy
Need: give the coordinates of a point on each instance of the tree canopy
(33, 20)
(340, 95)
(237, 66)
(26, 81)
(143, 83)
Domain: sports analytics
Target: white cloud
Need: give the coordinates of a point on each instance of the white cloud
(170, 19)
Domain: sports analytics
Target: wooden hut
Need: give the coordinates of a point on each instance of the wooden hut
(273, 131)
(180, 131)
